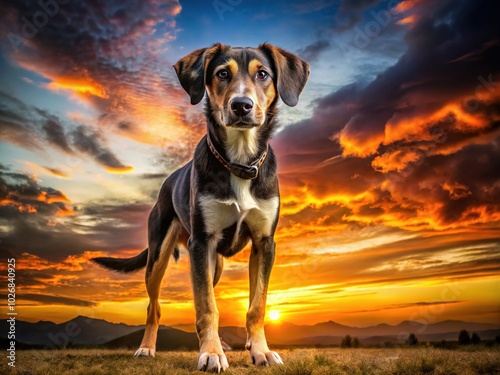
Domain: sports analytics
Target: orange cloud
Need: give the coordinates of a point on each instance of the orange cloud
(353, 145)
(410, 20)
(28, 261)
(80, 86)
(28, 208)
(65, 211)
(397, 160)
(457, 191)
(408, 5)
(403, 6)
(416, 205)
(417, 127)
(51, 198)
(121, 170)
(428, 129)
(20, 206)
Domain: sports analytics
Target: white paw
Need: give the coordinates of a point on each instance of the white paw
(212, 362)
(266, 359)
(145, 352)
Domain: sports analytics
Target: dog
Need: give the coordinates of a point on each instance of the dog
(227, 195)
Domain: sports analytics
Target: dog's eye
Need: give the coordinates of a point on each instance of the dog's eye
(223, 74)
(262, 75)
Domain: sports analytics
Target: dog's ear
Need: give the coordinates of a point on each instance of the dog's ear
(291, 73)
(191, 71)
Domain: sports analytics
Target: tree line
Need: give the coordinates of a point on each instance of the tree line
(464, 338)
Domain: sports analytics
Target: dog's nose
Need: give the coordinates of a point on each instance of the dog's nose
(241, 106)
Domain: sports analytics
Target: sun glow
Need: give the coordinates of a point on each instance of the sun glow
(274, 315)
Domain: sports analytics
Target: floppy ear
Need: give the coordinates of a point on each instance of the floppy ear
(191, 71)
(291, 73)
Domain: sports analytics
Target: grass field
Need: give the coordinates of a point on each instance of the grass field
(297, 362)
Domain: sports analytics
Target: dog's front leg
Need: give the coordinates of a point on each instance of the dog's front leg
(261, 263)
(203, 267)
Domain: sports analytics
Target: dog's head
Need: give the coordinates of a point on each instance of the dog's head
(242, 84)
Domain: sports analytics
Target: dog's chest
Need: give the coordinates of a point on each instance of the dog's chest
(258, 214)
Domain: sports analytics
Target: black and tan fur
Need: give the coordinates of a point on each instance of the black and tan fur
(212, 212)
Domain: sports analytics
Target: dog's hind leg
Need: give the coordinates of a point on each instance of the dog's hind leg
(157, 264)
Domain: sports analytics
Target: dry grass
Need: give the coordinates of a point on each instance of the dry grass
(297, 362)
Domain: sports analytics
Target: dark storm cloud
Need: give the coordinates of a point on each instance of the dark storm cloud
(55, 134)
(427, 69)
(399, 150)
(352, 12)
(31, 127)
(15, 125)
(125, 125)
(312, 51)
(54, 300)
(357, 5)
(90, 142)
(105, 22)
(313, 136)
(473, 191)
(22, 194)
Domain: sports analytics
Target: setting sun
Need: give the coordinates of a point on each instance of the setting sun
(274, 315)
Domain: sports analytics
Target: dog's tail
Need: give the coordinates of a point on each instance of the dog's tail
(124, 265)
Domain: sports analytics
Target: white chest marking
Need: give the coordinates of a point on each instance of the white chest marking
(244, 199)
(259, 214)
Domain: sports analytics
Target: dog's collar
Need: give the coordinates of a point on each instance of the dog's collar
(246, 172)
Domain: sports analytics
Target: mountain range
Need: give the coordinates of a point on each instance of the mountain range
(85, 331)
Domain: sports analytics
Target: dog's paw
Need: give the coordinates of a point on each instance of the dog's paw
(145, 352)
(212, 362)
(266, 359)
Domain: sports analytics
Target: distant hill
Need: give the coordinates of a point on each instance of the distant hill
(284, 333)
(185, 327)
(395, 339)
(84, 331)
(168, 339)
(78, 331)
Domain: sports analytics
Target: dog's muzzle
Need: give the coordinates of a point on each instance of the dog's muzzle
(241, 113)
(241, 106)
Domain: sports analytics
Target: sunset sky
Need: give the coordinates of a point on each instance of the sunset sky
(388, 166)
